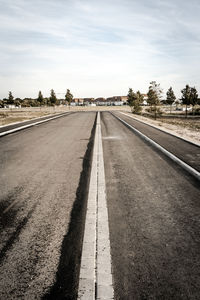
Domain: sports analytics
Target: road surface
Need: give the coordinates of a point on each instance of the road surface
(43, 178)
(153, 210)
(154, 221)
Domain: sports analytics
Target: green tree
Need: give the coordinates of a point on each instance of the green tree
(68, 97)
(40, 98)
(193, 98)
(131, 98)
(137, 103)
(154, 96)
(1, 104)
(52, 99)
(186, 97)
(17, 102)
(10, 98)
(135, 100)
(171, 98)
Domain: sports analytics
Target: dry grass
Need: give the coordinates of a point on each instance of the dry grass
(12, 117)
(191, 124)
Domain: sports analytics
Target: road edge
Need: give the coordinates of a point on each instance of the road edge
(181, 163)
(30, 125)
(161, 129)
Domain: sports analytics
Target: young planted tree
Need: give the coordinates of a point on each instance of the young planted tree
(68, 97)
(154, 95)
(131, 98)
(10, 98)
(1, 104)
(186, 97)
(193, 98)
(138, 102)
(52, 99)
(171, 98)
(17, 101)
(40, 98)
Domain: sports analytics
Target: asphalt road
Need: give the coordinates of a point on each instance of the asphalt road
(28, 122)
(43, 184)
(154, 209)
(186, 151)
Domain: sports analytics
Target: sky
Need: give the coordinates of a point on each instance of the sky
(98, 48)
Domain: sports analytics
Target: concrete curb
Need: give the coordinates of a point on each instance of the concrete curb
(30, 125)
(162, 130)
(185, 166)
(95, 280)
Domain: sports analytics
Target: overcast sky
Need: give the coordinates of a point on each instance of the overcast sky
(98, 48)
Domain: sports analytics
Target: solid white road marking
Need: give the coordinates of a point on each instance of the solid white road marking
(29, 125)
(185, 166)
(95, 281)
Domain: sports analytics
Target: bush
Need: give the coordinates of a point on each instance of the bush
(196, 112)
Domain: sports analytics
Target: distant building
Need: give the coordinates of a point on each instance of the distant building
(77, 101)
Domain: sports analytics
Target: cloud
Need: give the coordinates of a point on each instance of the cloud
(97, 47)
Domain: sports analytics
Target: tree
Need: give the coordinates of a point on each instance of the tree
(1, 104)
(131, 97)
(135, 100)
(10, 98)
(40, 98)
(186, 97)
(52, 99)
(17, 102)
(170, 98)
(154, 96)
(193, 98)
(68, 97)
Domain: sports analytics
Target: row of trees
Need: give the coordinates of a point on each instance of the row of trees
(39, 101)
(189, 97)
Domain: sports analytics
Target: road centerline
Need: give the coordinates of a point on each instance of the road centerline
(95, 281)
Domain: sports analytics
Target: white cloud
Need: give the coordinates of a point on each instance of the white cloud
(98, 47)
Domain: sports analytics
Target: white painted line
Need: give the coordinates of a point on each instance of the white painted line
(24, 121)
(161, 129)
(95, 281)
(185, 166)
(29, 125)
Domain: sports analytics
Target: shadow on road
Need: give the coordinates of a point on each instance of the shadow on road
(67, 276)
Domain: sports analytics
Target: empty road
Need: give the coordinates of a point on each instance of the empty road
(153, 210)
(43, 179)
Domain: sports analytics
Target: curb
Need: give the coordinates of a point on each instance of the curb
(185, 166)
(162, 130)
(30, 125)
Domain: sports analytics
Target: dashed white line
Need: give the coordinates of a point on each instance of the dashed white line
(95, 280)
